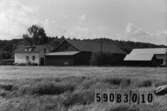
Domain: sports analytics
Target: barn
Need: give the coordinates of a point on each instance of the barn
(147, 57)
(67, 58)
(32, 55)
(83, 52)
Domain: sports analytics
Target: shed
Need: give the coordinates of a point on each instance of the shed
(147, 56)
(67, 58)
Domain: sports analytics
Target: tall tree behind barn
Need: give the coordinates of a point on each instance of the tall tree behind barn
(36, 36)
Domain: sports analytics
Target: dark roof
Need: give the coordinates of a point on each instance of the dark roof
(95, 46)
(144, 54)
(35, 49)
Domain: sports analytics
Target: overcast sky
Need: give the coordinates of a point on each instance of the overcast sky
(137, 20)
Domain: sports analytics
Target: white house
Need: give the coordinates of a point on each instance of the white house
(31, 54)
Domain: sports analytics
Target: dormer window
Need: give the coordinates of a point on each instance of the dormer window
(25, 49)
(30, 49)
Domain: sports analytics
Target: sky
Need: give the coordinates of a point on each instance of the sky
(135, 20)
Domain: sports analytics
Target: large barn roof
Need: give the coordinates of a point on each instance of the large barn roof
(96, 46)
(145, 54)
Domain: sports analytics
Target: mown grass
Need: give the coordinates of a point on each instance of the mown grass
(65, 94)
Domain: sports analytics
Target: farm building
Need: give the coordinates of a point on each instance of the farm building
(83, 52)
(68, 58)
(147, 57)
(33, 55)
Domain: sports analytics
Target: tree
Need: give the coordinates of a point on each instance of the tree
(36, 36)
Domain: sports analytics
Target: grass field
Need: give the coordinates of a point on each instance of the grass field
(22, 72)
(25, 88)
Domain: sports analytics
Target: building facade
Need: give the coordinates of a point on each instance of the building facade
(83, 52)
(32, 55)
(68, 58)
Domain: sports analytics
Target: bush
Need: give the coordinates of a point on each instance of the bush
(126, 82)
(145, 83)
(32, 104)
(46, 88)
(81, 97)
(102, 85)
(118, 81)
(7, 87)
(113, 81)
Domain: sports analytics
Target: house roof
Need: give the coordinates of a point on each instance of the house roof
(34, 49)
(96, 46)
(145, 54)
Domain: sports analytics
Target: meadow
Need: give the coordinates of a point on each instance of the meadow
(28, 88)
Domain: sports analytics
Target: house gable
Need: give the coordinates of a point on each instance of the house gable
(66, 46)
(90, 46)
(31, 54)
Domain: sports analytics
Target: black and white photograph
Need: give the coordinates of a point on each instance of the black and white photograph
(83, 55)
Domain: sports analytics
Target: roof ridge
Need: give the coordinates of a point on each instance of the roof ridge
(91, 45)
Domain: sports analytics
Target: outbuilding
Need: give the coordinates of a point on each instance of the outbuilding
(67, 58)
(147, 57)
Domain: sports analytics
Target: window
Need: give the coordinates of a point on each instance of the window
(33, 58)
(28, 49)
(27, 58)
